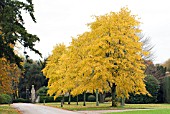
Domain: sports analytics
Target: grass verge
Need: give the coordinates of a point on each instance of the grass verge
(89, 106)
(107, 106)
(158, 111)
(6, 109)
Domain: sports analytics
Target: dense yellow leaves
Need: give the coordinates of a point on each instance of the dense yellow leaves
(108, 55)
(55, 70)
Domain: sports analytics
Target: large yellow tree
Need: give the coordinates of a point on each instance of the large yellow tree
(117, 47)
(108, 57)
(84, 67)
(55, 71)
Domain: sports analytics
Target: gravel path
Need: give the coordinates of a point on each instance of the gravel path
(27, 108)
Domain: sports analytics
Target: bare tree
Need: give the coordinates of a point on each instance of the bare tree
(147, 46)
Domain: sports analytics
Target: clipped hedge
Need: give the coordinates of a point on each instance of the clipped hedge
(21, 100)
(5, 99)
(47, 99)
(51, 99)
(58, 99)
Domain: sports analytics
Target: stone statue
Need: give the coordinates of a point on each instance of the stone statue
(32, 94)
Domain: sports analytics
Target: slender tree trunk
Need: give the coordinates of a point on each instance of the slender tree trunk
(113, 92)
(77, 100)
(97, 97)
(122, 101)
(63, 99)
(84, 97)
(61, 103)
(69, 98)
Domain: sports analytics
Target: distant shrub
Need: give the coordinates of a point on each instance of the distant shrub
(91, 98)
(51, 99)
(46, 98)
(5, 99)
(42, 91)
(59, 98)
(21, 100)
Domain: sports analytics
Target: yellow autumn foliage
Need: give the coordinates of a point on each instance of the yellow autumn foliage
(107, 57)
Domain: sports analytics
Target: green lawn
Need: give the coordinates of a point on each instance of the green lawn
(6, 109)
(155, 111)
(148, 106)
(89, 106)
(107, 106)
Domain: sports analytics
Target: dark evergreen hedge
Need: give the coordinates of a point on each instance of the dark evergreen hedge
(166, 89)
(21, 100)
(152, 86)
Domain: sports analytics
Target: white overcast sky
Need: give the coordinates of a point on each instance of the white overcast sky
(59, 20)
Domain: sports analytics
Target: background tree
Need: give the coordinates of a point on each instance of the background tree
(32, 76)
(164, 81)
(167, 65)
(13, 31)
(158, 71)
(152, 86)
(52, 71)
(148, 47)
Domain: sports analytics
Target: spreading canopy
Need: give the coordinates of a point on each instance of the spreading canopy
(108, 57)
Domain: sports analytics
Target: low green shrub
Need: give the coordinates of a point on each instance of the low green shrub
(91, 98)
(5, 99)
(21, 100)
(46, 99)
(42, 91)
(58, 99)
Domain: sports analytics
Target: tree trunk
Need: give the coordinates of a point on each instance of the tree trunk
(113, 92)
(102, 97)
(63, 99)
(84, 104)
(77, 100)
(69, 98)
(61, 103)
(122, 101)
(97, 97)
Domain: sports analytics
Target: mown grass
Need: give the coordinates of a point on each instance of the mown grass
(148, 106)
(107, 106)
(155, 111)
(6, 109)
(89, 106)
